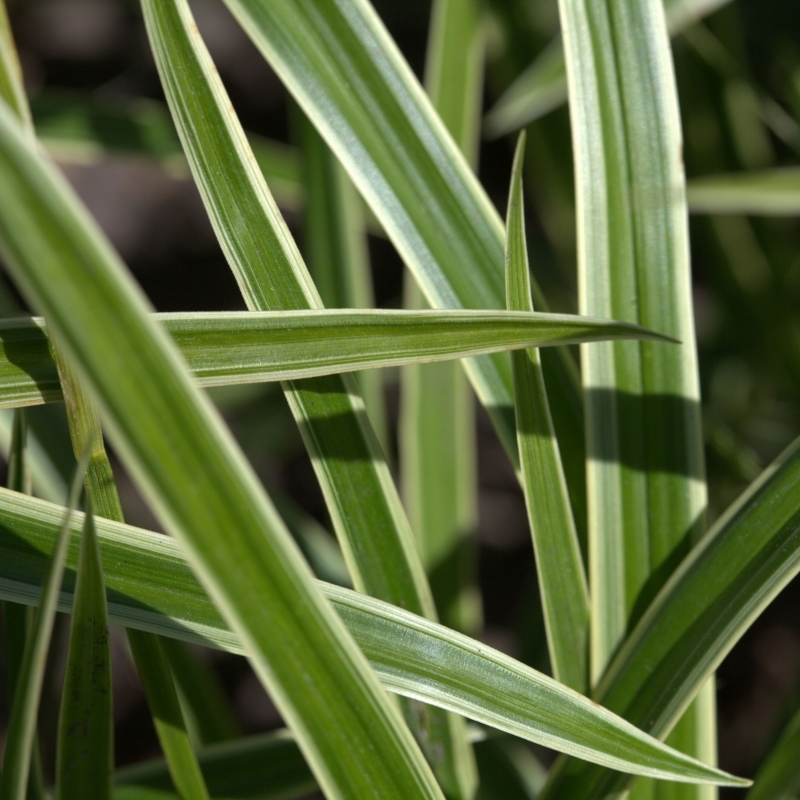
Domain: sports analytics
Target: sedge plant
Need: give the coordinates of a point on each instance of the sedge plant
(383, 683)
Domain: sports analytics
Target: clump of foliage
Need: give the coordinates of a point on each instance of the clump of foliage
(640, 600)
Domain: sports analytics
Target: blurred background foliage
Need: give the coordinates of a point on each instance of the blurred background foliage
(97, 102)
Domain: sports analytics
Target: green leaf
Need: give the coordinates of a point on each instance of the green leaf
(779, 776)
(85, 757)
(562, 581)
(348, 76)
(25, 704)
(645, 472)
(154, 672)
(224, 348)
(542, 86)
(203, 698)
(437, 431)
(337, 251)
(101, 492)
(12, 90)
(189, 468)
(46, 481)
(361, 498)
(645, 469)
(436, 427)
(152, 588)
(768, 193)
(728, 579)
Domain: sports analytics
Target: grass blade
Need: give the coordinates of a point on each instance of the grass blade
(338, 257)
(436, 436)
(645, 470)
(199, 484)
(542, 86)
(85, 757)
(25, 705)
(361, 498)
(101, 490)
(413, 656)
(562, 581)
(349, 78)
(641, 504)
(739, 566)
(154, 672)
(11, 86)
(248, 347)
(767, 193)
(437, 431)
(202, 695)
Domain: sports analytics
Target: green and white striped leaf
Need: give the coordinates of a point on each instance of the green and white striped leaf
(346, 73)
(437, 445)
(763, 193)
(223, 348)
(645, 469)
(436, 427)
(85, 758)
(358, 490)
(542, 86)
(742, 563)
(151, 587)
(335, 238)
(101, 494)
(199, 484)
(559, 565)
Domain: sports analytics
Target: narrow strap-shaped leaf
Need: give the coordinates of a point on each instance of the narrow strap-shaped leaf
(779, 775)
(436, 435)
(337, 251)
(542, 86)
(413, 656)
(153, 669)
(358, 490)
(346, 73)
(165, 707)
(562, 581)
(362, 500)
(85, 758)
(25, 704)
(187, 464)
(437, 432)
(248, 347)
(768, 193)
(736, 570)
(645, 469)
(201, 694)
(12, 90)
